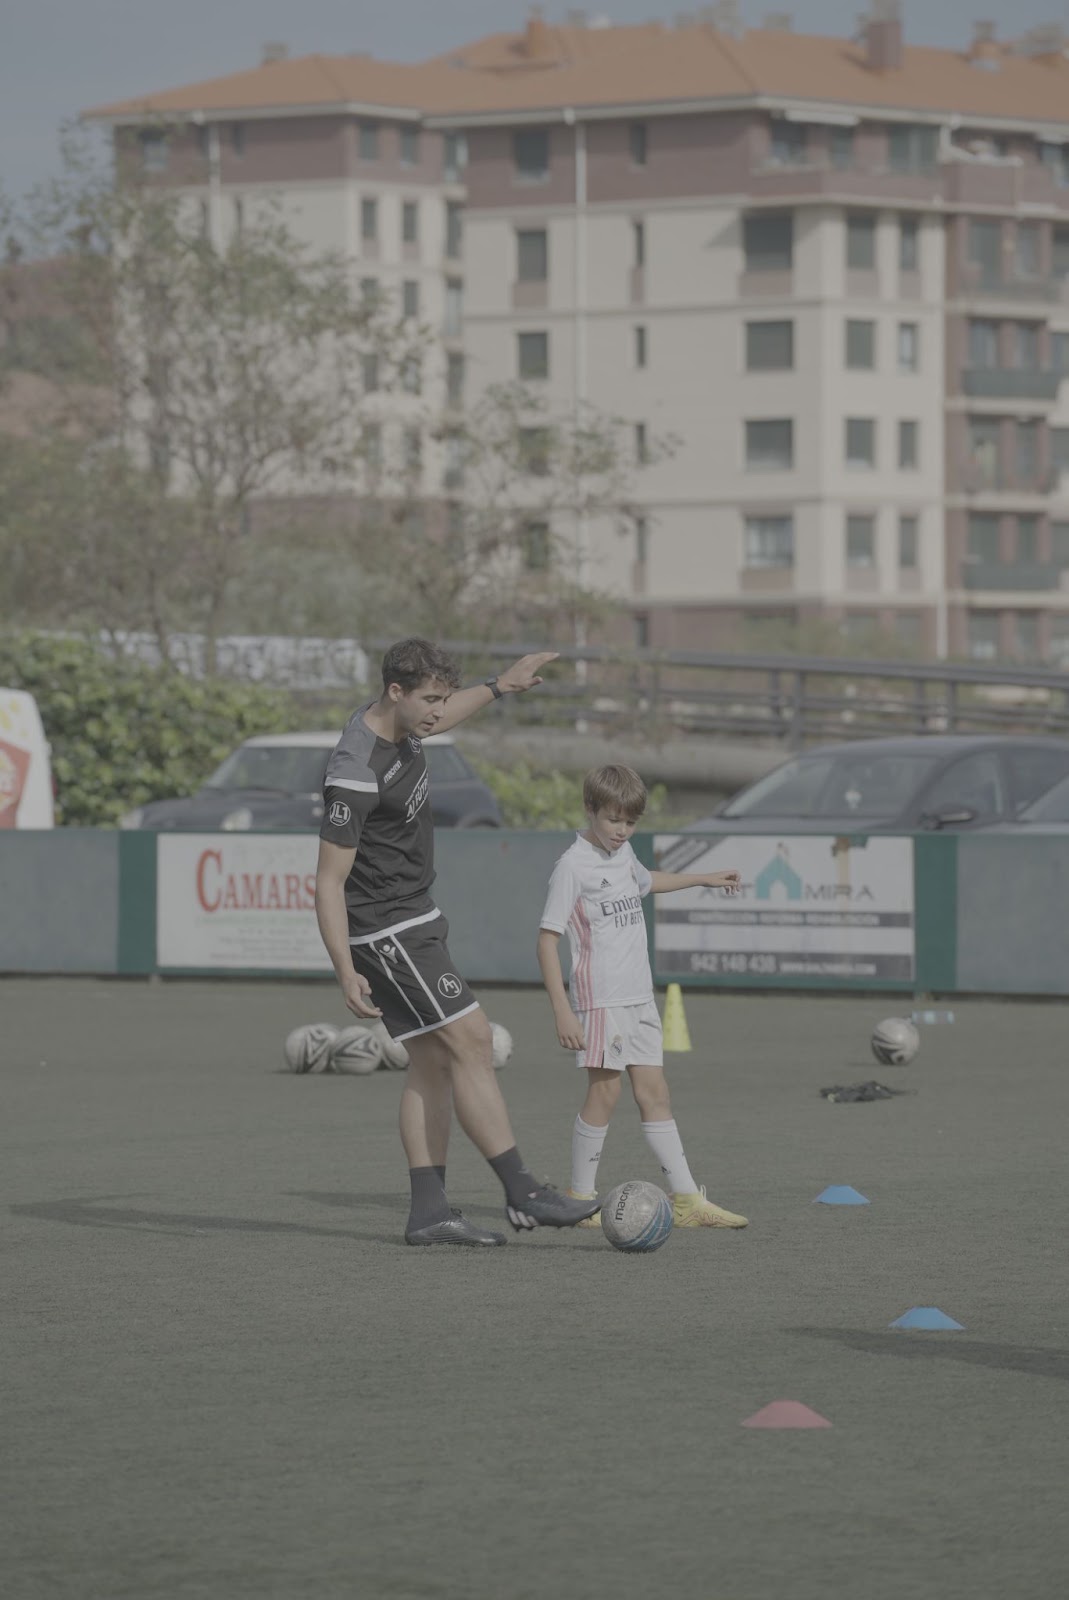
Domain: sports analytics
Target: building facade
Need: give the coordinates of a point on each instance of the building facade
(834, 275)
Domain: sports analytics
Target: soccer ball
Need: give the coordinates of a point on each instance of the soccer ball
(636, 1216)
(895, 1041)
(502, 1044)
(307, 1048)
(354, 1050)
(394, 1055)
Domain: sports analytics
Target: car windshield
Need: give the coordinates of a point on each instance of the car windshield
(445, 764)
(854, 785)
(287, 768)
(1050, 807)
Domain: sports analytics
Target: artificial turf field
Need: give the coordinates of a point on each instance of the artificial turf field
(226, 1376)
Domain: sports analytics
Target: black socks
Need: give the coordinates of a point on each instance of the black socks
(519, 1182)
(429, 1203)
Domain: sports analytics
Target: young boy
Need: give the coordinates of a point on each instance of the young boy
(595, 894)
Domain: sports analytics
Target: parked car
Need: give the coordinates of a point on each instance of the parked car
(1048, 814)
(275, 782)
(898, 785)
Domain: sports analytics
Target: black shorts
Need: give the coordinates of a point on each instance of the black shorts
(413, 980)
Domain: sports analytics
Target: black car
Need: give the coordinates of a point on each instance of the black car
(275, 782)
(898, 785)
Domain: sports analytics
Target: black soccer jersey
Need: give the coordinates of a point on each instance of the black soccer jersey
(375, 799)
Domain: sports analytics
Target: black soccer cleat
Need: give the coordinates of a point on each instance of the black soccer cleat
(547, 1207)
(456, 1229)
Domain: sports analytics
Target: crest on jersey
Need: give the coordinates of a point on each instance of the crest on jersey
(339, 813)
(449, 986)
(414, 744)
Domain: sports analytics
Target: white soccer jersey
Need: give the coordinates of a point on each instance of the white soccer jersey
(597, 900)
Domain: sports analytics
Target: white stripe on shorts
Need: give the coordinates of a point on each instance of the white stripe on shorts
(396, 927)
(432, 1027)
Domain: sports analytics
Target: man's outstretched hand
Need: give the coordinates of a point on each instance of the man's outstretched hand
(525, 673)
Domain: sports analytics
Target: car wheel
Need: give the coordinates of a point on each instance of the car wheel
(476, 822)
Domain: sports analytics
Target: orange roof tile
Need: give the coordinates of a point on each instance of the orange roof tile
(550, 68)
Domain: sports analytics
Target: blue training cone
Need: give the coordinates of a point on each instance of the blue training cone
(841, 1194)
(927, 1317)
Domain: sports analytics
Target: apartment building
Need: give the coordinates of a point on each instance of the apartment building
(834, 273)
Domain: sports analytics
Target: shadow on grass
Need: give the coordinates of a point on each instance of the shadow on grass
(93, 1213)
(1034, 1362)
(397, 1203)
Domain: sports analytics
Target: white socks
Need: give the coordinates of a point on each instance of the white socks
(663, 1139)
(587, 1143)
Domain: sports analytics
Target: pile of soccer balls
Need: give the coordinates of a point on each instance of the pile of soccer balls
(360, 1049)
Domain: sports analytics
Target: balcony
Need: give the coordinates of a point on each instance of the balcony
(978, 284)
(1010, 383)
(1001, 577)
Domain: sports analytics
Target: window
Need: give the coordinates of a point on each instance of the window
(369, 220)
(642, 540)
(861, 541)
(908, 446)
(983, 635)
(770, 445)
(153, 152)
(1027, 539)
(985, 471)
(841, 147)
(410, 222)
(369, 291)
(912, 149)
(642, 630)
(1026, 346)
(983, 539)
(454, 229)
(860, 242)
(409, 146)
(768, 241)
(983, 345)
(372, 444)
(638, 143)
(769, 346)
(530, 154)
(1060, 252)
(413, 449)
(907, 542)
(640, 346)
(1059, 450)
(454, 156)
(239, 216)
(768, 542)
(642, 444)
(368, 141)
(454, 378)
(1059, 352)
(410, 298)
(369, 373)
(534, 451)
(1055, 157)
(1058, 639)
(237, 138)
(907, 626)
(985, 250)
(860, 442)
(1026, 257)
(453, 317)
(412, 374)
(860, 345)
(1059, 548)
(535, 544)
(204, 141)
(908, 244)
(975, 781)
(909, 347)
(1027, 452)
(638, 244)
(1026, 636)
(532, 255)
(1033, 771)
(787, 143)
(532, 355)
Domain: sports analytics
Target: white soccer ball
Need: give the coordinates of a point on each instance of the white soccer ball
(501, 1044)
(355, 1050)
(895, 1041)
(636, 1216)
(307, 1048)
(394, 1055)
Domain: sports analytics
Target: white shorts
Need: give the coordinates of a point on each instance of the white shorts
(618, 1037)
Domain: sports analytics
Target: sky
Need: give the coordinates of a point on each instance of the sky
(58, 57)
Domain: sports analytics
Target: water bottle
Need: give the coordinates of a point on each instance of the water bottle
(931, 1016)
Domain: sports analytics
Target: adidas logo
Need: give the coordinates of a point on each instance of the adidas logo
(605, 883)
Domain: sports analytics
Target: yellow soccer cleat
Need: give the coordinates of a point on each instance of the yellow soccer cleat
(695, 1211)
(587, 1222)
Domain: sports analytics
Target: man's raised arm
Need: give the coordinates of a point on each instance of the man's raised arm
(522, 675)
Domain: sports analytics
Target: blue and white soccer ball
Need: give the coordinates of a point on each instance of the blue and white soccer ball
(636, 1216)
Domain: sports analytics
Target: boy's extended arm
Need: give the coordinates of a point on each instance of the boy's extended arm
(522, 675)
(569, 1028)
(665, 882)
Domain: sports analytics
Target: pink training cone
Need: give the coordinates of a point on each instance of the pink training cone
(786, 1414)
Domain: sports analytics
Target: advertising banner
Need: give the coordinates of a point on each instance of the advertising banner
(241, 901)
(812, 907)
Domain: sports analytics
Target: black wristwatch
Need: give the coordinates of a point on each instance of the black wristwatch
(491, 684)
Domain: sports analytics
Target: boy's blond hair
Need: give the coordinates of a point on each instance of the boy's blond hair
(614, 788)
